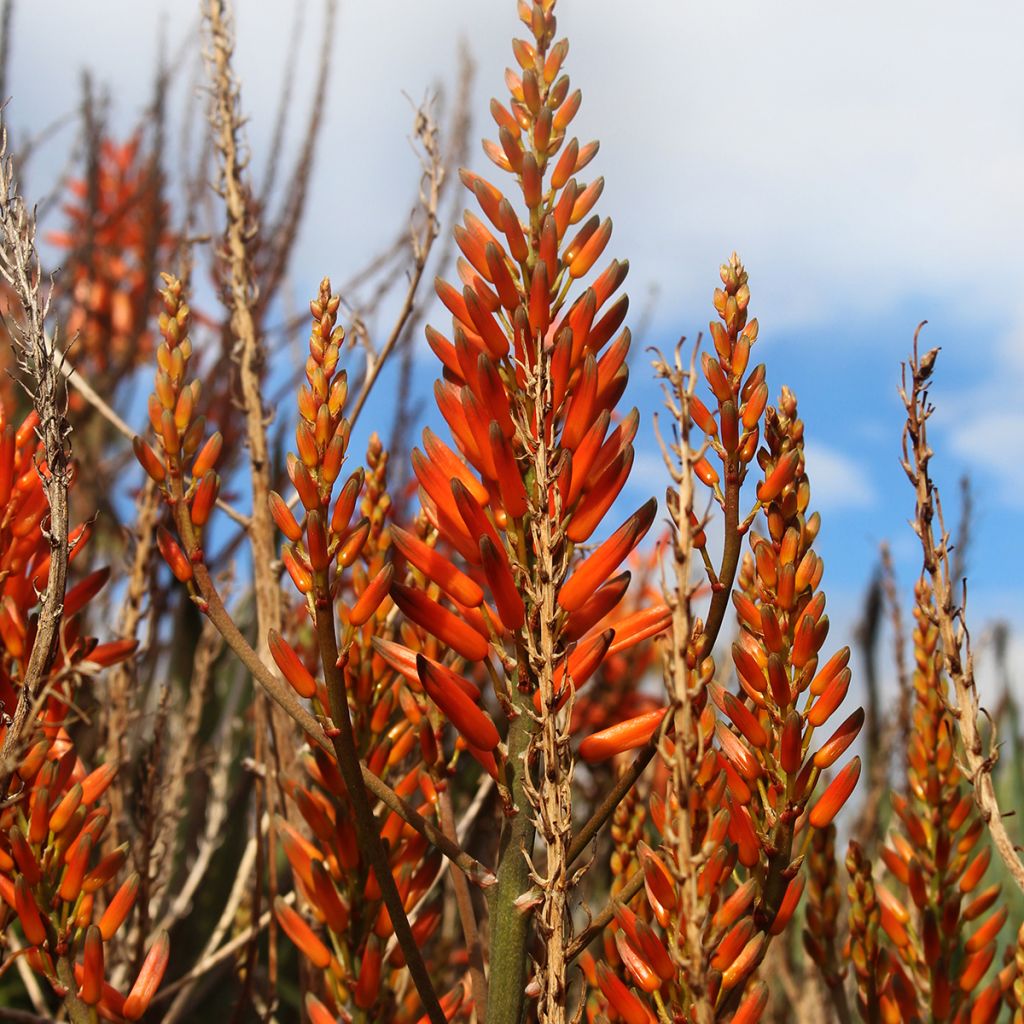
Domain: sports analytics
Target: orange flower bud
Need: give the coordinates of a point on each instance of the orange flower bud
(787, 908)
(149, 460)
(150, 976)
(172, 554)
(467, 718)
(779, 477)
(291, 665)
(742, 717)
(92, 967)
(619, 738)
(282, 516)
(208, 455)
(204, 499)
(642, 973)
(74, 871)
(119, 907)
(753, 1005)
(445, 625)
(833, 748)
(640, 626)
(837, 793)
(622, 1000)
(791, 748)
(595, 569)
(494, 563)
(825, 706)
(28, 913)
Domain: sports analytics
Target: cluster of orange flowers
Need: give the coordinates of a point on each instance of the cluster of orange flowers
(496, 641)
(57, 879)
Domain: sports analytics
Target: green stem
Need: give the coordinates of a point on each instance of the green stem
(509, 924)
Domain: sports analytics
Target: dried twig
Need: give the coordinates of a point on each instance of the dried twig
(19, 266)
(949, 616)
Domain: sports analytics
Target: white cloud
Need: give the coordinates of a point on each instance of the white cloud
(837, 480)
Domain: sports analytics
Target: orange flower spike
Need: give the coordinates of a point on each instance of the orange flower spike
(91, 990)
(976, 966)
(503, 586)
(780, 477)
(741, 831)
(987, 931)
(119, 907)
(204, 499)
(834, 748)
(595, 569)
(28, 913)
(291, 666)
(208, 455)
(494, 337)
(975, 871)
(622, 1001)
(67, 806)
(150, 975)
(476, 520)
(467, 718)
(580, 665)
(838, 792)
(451, 467)
(617, 739)
(506, 288)
(295, 927)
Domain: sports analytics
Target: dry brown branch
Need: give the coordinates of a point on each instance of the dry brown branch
(19, 266)
(682, 684)
(949, 616)
(550, 796)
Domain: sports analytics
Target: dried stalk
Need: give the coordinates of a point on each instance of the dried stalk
(549, 748)
(948, 616)
(683, 686)
(19, 266)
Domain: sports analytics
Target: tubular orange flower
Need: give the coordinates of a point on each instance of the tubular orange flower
(831, 801)
(92, 967)
(597, 567)
(301, 934)
(457, 706)
(623, 736)
(291, 665)
(445, 625)
(150, 975)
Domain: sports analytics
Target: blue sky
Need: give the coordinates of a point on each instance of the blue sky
(865, 161)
